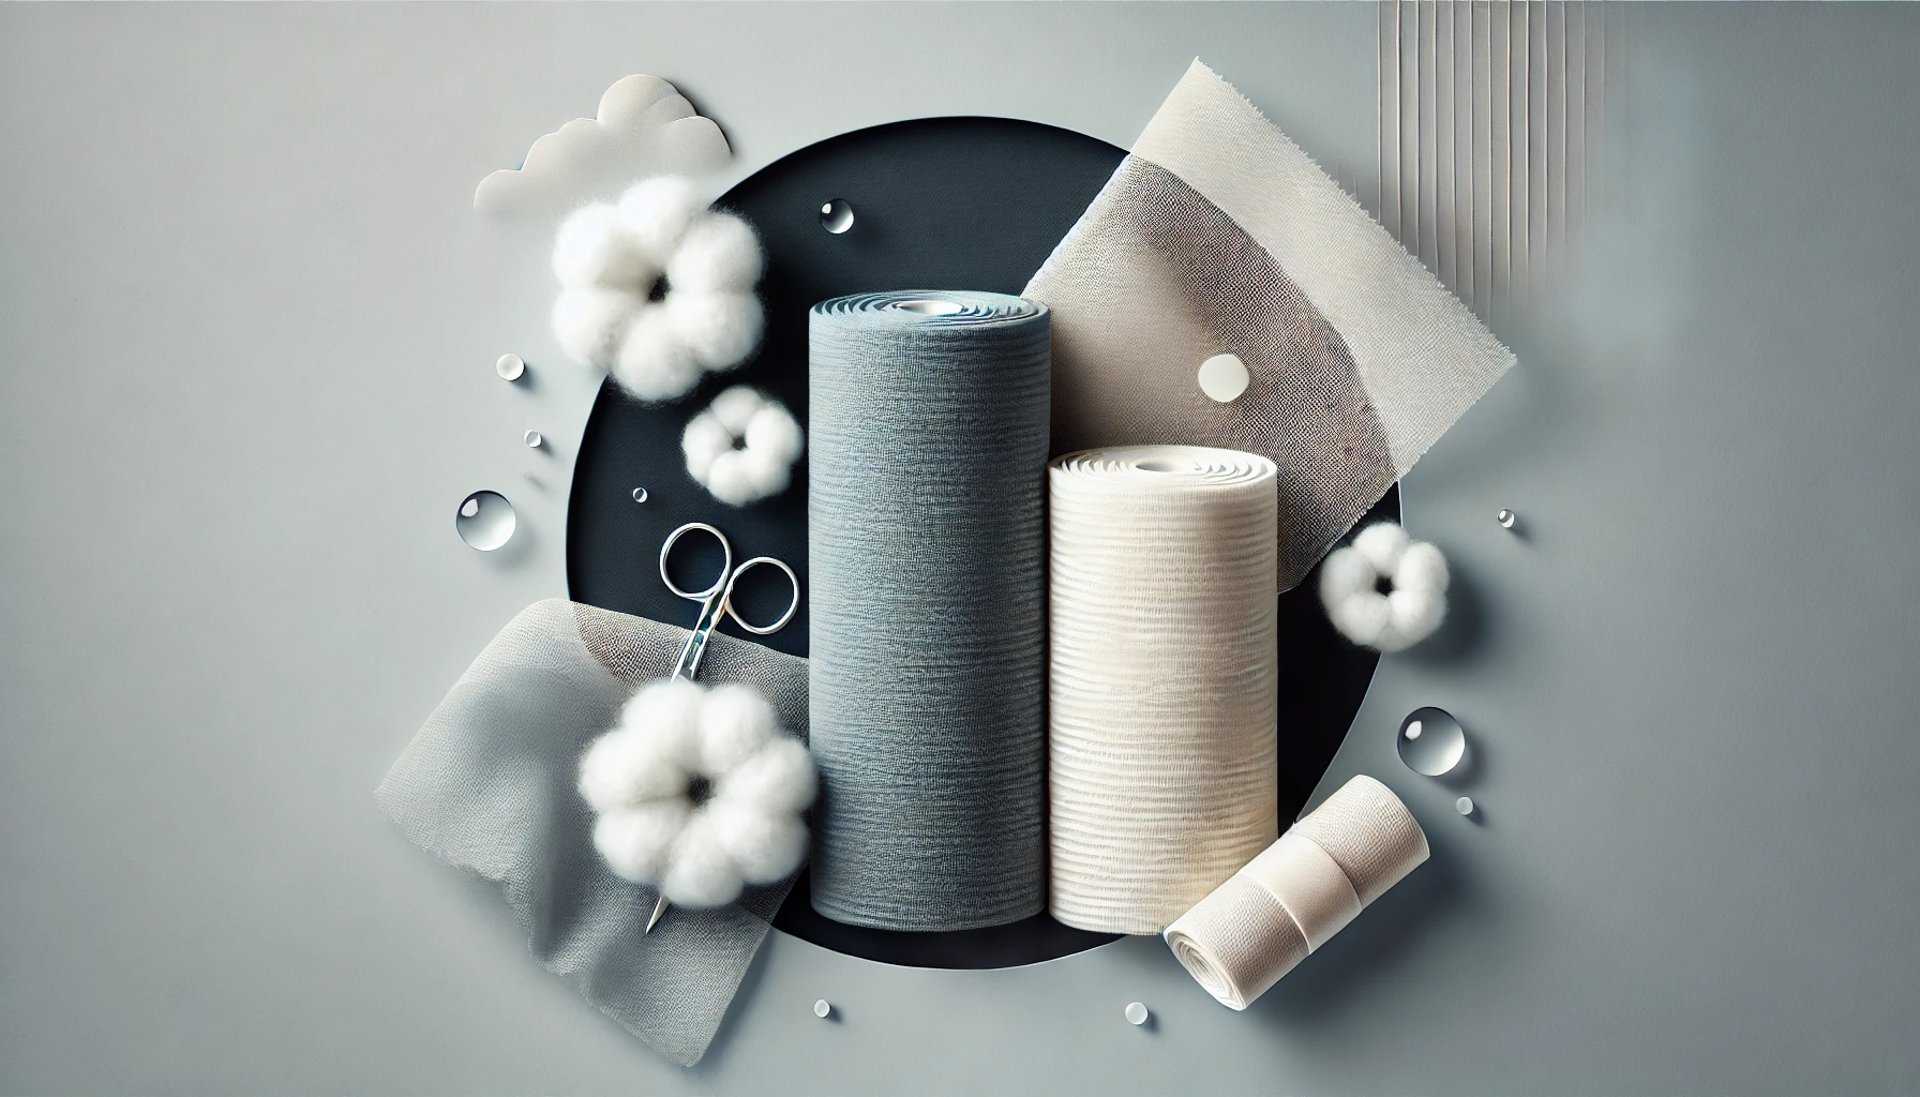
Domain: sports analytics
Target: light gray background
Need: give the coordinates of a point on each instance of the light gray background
(247, 321)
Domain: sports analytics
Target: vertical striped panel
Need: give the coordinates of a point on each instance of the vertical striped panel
(1492, 129)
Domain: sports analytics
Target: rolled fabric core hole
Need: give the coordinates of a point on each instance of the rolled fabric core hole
(928, 306)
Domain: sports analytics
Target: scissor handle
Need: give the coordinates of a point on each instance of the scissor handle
(726, 566)
(792, 607)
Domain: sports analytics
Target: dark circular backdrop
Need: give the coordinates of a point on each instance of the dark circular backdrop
(941, 203)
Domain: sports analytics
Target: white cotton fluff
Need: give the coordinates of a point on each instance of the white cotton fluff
(639, 776)
(637, 841)
(590, 323)
(594, 247)
(667, 712)
(719, 253)
(654, 362)
(701, 871)
(610, 259)
(742, 448)
(779, 777)
(625, 767)
(1382, 544)
(766, 847)
(734, 722)
(1409, 613)
(720, 329)
(659, 211)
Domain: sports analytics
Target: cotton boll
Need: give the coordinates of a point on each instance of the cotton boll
(720, 329)
(658, 212)
(773, 432)
(1344, 573)
(764, 845)
(666, 713)
(700, 871)
(636, 842)
(718, 253)
(1421, 568)
(595, 247)
(654, 363)
(702, 441)
(590, 323)
(779, 778)
(735, 722)
(1382, 543)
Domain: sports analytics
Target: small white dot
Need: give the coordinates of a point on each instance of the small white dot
(510, 367)
(533, 439)
(822, 1008)
(1136, 1013)
(1224, 377)
(1413, 730)
(639, 495)
(1506, 518)
(1464, 805)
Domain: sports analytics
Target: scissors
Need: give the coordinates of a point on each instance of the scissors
(716, 603)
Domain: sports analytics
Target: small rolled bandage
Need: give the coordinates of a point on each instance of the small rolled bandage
(1300, 891)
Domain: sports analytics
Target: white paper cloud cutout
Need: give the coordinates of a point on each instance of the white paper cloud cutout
(644, 127)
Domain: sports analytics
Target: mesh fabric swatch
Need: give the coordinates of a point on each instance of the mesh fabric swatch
(488, 784)
(1216, 234)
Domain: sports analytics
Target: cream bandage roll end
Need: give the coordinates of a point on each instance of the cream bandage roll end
(1298, 893)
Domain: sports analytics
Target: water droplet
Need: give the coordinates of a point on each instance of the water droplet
(1137, 1013)
(1506, 518)
(1464, 805)
(1224, 377)
(822, 1008)
(485, 520)
(534, 440)
(836, 216)
(639, 495)
(1431, 741)
(510, 367)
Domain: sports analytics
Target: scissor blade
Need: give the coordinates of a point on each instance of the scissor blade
(659, 912)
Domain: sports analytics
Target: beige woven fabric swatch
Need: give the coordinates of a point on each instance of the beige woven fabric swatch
(1238, 941)
(1217, 234)
(1163, 679)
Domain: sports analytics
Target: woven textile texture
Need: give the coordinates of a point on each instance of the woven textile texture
(488, 784)
(926, 540)
(1217, 234)
(1163, 689)
(1241, 939)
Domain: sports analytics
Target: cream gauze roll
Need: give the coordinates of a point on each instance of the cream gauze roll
(1300, 891)
(1164, 679)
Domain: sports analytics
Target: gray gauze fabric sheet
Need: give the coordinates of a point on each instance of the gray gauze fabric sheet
(488, 784)
(1218, 235)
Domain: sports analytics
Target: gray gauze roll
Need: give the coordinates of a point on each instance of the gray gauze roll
(488, 784)
(927, 546)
